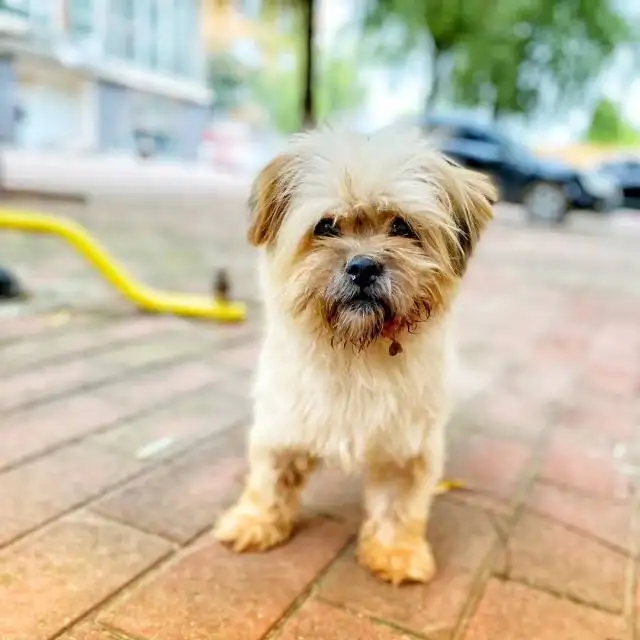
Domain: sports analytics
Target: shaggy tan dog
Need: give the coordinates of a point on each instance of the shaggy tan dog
(363, 242)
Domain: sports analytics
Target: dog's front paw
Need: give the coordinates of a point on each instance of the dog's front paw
(244, 530)
(410, 560)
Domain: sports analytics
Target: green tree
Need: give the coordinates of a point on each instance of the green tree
(539, 52)
(305, 13)
(609, 127)
(442, 25)
(511, 54)
(227, 77)
(338, 89)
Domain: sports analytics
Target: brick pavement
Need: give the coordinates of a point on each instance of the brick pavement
(121, 439)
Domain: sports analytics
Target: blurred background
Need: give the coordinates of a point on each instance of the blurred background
(177, 103)
(221, 81)
(121, 434)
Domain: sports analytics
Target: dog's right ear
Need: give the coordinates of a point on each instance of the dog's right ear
(270, 197)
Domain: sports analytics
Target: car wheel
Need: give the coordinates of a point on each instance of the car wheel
(546, 202)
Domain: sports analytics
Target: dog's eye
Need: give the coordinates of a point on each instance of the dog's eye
(401, 228)
(326, 228)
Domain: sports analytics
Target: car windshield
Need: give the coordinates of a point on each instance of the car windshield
(518, 151)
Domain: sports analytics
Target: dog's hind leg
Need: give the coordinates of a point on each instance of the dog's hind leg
(267, 510)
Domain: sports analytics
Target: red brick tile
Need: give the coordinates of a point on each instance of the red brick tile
(614, 419)
(182, 498)
(159, 349)
(543, 384)
(212, 592)
(507, 415)
(548, 555)
(50, 579)
(617, 382)
(21, 389)
(333, 493)
(161, 434)
(488, 465)
(88, 631)
(31, 432)
(146, 390)
(460, 536)
(40, 490)
(600, 518)
(322, 621)
(575, 459)
(516, 612)
(91, 336)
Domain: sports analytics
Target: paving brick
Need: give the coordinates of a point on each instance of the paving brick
(162, 434)
(601, 518)
(486, 464)
(149, 389)
(38, 491)
(88, 631)
(541, 383)
(95, 335)
(548, 555)
(461, 537)
(575, 459)
(514, 611)
(506, 415)
(147, 353)
(180, 499)
(24, 388)
(244, 357)
(322, 621)
(215, 594)
(333, 493)
(51, 578)
(611, 381)
(614, 419)
(32, 432)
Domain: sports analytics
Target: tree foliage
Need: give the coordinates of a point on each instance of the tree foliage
(337, 89)
(544, 52)
(227, 78)
(511, 55)
(609, 127)
(305, 12)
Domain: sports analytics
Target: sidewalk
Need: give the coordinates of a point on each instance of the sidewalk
(121, 439)
(70, 173)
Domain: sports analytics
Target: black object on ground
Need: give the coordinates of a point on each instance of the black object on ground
(10, 286)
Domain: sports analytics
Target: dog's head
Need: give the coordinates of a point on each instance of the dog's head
(365, 236)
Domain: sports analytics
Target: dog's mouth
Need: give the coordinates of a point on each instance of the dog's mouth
(365, 304)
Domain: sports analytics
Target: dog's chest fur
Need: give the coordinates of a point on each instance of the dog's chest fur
(347, 407)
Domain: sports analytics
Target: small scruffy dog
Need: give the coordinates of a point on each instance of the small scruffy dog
(363, 242)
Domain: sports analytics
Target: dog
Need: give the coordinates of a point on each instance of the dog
(363, 242)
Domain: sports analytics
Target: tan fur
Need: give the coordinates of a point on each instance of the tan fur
(327, 388)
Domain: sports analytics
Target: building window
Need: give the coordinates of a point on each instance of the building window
(159, 35)
(80, 17)
(121, 29)
(15, 6)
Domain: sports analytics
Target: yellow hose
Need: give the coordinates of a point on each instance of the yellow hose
(146, 298)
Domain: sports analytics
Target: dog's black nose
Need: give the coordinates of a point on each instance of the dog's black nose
(363, 270)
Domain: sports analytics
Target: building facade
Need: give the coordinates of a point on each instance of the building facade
(113, 76)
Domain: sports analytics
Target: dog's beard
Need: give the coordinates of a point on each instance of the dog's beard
(357, 318)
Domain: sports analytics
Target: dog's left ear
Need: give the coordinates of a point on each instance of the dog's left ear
(470, 196)
(269, 200)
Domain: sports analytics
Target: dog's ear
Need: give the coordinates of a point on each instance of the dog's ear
(470, 195)
(269, 200)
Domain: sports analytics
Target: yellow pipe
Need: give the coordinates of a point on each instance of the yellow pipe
(146, 298)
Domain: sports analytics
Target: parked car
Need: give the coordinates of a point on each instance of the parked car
(548, 189)
(626, 172)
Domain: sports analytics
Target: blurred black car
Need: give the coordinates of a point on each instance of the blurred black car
(626, 172)
(548, 189)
